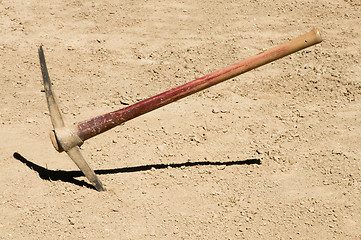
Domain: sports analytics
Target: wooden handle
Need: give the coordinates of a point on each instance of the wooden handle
(97, 125)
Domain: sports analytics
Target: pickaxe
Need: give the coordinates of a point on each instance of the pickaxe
(70, 138)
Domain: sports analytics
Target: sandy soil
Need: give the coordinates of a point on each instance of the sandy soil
(272, 154)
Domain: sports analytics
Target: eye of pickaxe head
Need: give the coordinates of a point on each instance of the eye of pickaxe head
(69, 138)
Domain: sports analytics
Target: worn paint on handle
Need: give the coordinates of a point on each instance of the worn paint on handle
(97, 125)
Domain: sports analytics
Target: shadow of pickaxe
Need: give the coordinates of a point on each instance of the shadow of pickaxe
(69, 176)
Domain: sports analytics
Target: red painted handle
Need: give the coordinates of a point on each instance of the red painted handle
(97, 125)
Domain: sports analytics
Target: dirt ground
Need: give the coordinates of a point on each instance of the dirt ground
(271, 154)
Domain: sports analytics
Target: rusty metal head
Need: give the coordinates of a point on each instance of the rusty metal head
(64, 138)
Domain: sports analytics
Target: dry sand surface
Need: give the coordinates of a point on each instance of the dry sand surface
(271, 154)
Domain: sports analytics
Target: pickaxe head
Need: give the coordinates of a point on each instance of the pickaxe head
(65, 138)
